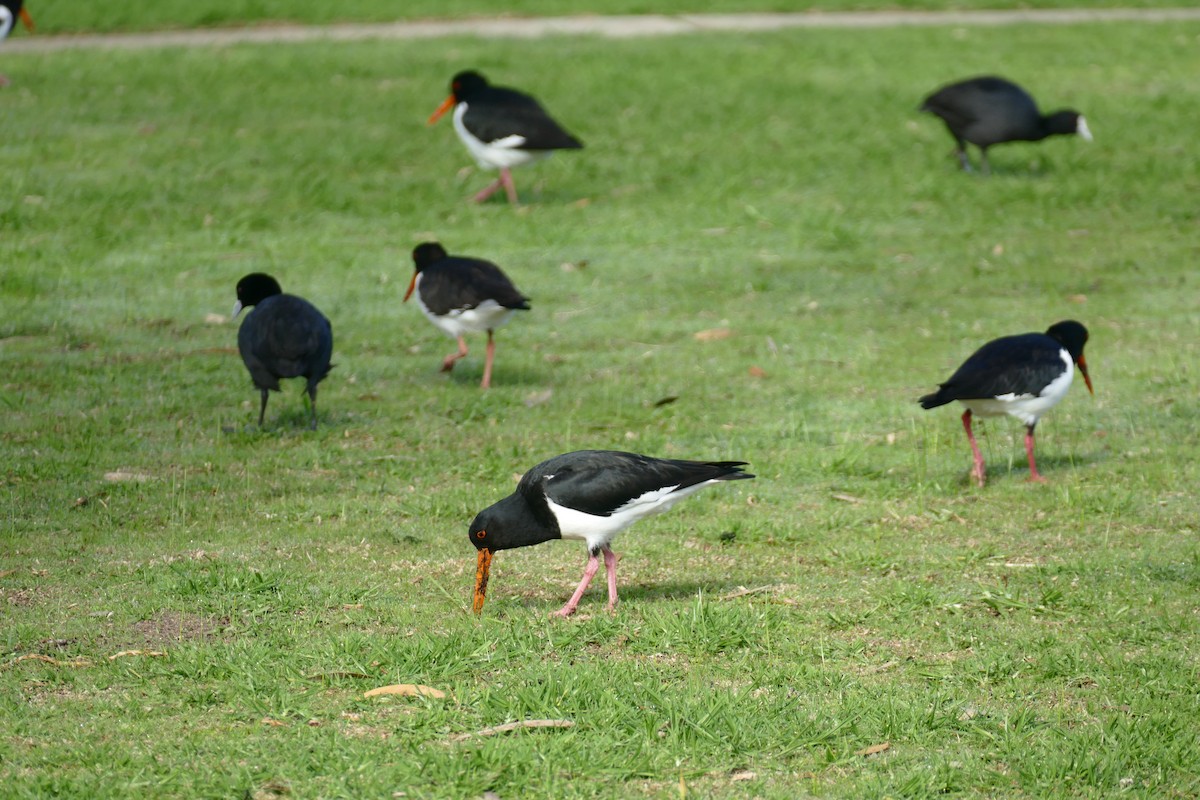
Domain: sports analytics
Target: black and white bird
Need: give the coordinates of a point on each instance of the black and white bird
(1021, 376)
(502, 128)
(283, 337)
(589, 495)
(989, 110)
(461, 295)
(10, 12)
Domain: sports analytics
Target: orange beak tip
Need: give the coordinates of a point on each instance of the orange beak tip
(446, 105)
(28, 20)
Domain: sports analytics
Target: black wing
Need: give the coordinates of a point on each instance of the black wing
(456, 284)
(599, 482)
(499, 113)
(1023, 364)
(285, 337)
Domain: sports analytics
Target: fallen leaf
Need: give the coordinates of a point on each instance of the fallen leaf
(712, 334)
(847, 498)
(757, 372)
(538, 398)
(124, 653)
(514, 726)
(666, 401)
(274, 723)
(119, 475)
(215, 319)
(873, 749)
(742, 775)
(1078, 299)
(406, 690)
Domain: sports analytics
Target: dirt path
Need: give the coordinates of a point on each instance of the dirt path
(614, 26)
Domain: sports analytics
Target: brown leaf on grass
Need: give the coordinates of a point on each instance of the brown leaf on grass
(712, 334)
(873, 749)
(757, 372)
(125, 653)
(78, 662)
(514, 726)
(846, 498)
(274, 723)
(742, 775)
(406, 690)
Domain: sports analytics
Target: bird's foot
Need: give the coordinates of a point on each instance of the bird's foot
(564, 612)
(1035, 478)
(448, 363)
(979, 476)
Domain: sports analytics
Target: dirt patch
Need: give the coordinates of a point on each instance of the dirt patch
(172, 627)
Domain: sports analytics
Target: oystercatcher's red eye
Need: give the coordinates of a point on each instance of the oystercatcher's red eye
(480, 534)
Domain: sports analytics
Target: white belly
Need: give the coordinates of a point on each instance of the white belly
(487, 316)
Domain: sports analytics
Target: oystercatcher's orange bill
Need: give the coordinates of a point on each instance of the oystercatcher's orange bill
(482, 570)
(1082, 362)
(28, 20)
(411, 285)
(446, 105)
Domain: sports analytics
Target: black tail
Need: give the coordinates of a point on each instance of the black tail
(730, 470)
(934, 400)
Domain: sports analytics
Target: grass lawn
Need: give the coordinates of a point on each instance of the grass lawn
(208, 603)
(74, 16)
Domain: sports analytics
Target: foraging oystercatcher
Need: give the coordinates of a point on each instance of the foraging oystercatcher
(503, 128)
(10, 11)
(283, 337)
(591, 495)
(459, 294)
(989, 110)
(1023, 376)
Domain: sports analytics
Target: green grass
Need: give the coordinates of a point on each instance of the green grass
(74, 16)
(1020, 640)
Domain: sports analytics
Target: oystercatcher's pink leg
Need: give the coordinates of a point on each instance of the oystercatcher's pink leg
(977, 471)
(448, 361)
(1033, 473)
(509, 187)
(589, 572)
(610, 567)
(487, 362)
(489, 190)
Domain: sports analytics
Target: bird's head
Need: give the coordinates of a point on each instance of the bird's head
(462, 86)
(503, 525)
(1067, 122)
(253, 289)
(423, 255)
(1073, 336)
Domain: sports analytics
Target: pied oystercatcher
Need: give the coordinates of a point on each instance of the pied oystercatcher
(989, 110)
(1023, 376)
(10, 12)
(459, 294)
(590, 495)
(503, 128)
(283, 337)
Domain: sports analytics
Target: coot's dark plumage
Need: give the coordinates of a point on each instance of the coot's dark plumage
(460, 295)
(10, 12)
(590, 495)
(989, 110)
(283, 337)
(1023, 376)
(502, 128)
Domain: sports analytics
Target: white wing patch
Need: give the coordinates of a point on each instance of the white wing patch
(599, 530)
